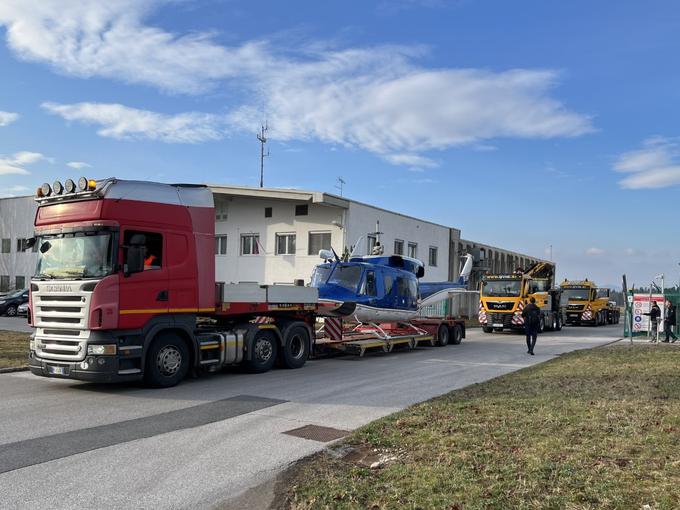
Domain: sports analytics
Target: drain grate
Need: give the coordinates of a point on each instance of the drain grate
(317, 433)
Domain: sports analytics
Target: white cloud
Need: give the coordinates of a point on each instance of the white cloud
(125, 123)
(78, 165)
(88, 38)
(15, 163)
(11, 191)
(6, 118)
(595, 252)
(656, 165)
(379, 99)
(414, 160)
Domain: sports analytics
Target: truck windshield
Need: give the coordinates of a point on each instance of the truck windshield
(576, 294)
(75, 255)
(501, 288)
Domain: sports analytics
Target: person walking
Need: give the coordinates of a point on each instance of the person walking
(654, 314)
(532, 321)
(669, 322)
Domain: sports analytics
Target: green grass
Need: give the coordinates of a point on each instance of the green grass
(13, 349)
(590, 429)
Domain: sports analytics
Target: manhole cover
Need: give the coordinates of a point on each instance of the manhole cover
(317, 433)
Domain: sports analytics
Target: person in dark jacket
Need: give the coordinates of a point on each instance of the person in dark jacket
(532, 321)
(654, 314)
(669, 322)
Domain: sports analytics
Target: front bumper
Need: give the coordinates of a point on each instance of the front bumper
(100, 369)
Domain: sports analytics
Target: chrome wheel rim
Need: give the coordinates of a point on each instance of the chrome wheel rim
(169, 360)
(263, 350)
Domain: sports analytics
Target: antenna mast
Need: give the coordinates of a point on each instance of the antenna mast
(262, 137)
(340, 184)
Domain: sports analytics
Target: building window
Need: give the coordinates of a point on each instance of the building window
(398, 247)
(220, 212)
(4, 283)
(20, 282)
(220, 245)
(6, 246)
(318, 241)
(301, 210)
(432, 259)
(250, 244)
(267, 212)
(153, 247)
(413, 250)
(21, 245)
(285, 244)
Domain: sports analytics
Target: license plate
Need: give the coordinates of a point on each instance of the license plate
(498, 325)
(57, 370)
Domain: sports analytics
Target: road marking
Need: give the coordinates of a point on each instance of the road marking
(44, 449)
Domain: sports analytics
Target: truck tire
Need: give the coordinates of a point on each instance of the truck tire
(541, 324)
(559, 323)
(264, 350)
(295, 349)
(167, 361)
(456, 334)
(443, 335)
(11, 311)
(487, 329)
(553, 323)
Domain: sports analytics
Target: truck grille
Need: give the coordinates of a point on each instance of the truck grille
(500, 318)
(60, 316)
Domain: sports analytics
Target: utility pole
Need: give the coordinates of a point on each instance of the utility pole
(262, 137)
(340, 184)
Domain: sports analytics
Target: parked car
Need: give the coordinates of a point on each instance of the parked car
(10, 303)
(23, 309)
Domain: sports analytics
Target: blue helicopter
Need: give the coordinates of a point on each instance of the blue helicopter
(380, 288)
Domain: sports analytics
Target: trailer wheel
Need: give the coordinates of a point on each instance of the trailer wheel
(457, 336)
(487, 329)
(295, 347)
(264, 351)
(167, 361)
(442, 335)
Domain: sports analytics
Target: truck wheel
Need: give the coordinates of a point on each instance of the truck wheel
(167, 361)
(541, 325)
(443, 335)
(263, 356)
(457, 336)
(11, 311)
(487, 329)
(553, 326)
(559, 323)
(295, 347)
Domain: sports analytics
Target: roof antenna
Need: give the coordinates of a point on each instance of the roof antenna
(340, 184)
(262, 137)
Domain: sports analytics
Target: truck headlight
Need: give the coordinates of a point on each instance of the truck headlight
(99, 350)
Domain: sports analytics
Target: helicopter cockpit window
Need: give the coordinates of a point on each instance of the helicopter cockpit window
(369, 288)
(346, 276)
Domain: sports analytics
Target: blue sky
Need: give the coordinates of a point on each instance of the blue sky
(525, 124)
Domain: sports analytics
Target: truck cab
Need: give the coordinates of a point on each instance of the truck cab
(504, 296)
(585, 303)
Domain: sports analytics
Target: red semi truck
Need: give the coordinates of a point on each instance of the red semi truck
(125, 290)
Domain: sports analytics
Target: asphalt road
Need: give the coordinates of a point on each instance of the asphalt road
(205, 443)
(15, 324)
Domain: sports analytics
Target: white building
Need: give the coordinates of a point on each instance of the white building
(274, 236)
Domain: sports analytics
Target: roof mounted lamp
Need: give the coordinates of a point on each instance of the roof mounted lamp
(70, 186)
(58, 188)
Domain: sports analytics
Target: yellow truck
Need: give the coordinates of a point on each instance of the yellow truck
(502, 298)
(584, 303)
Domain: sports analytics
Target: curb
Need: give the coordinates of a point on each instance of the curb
(12, 369)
